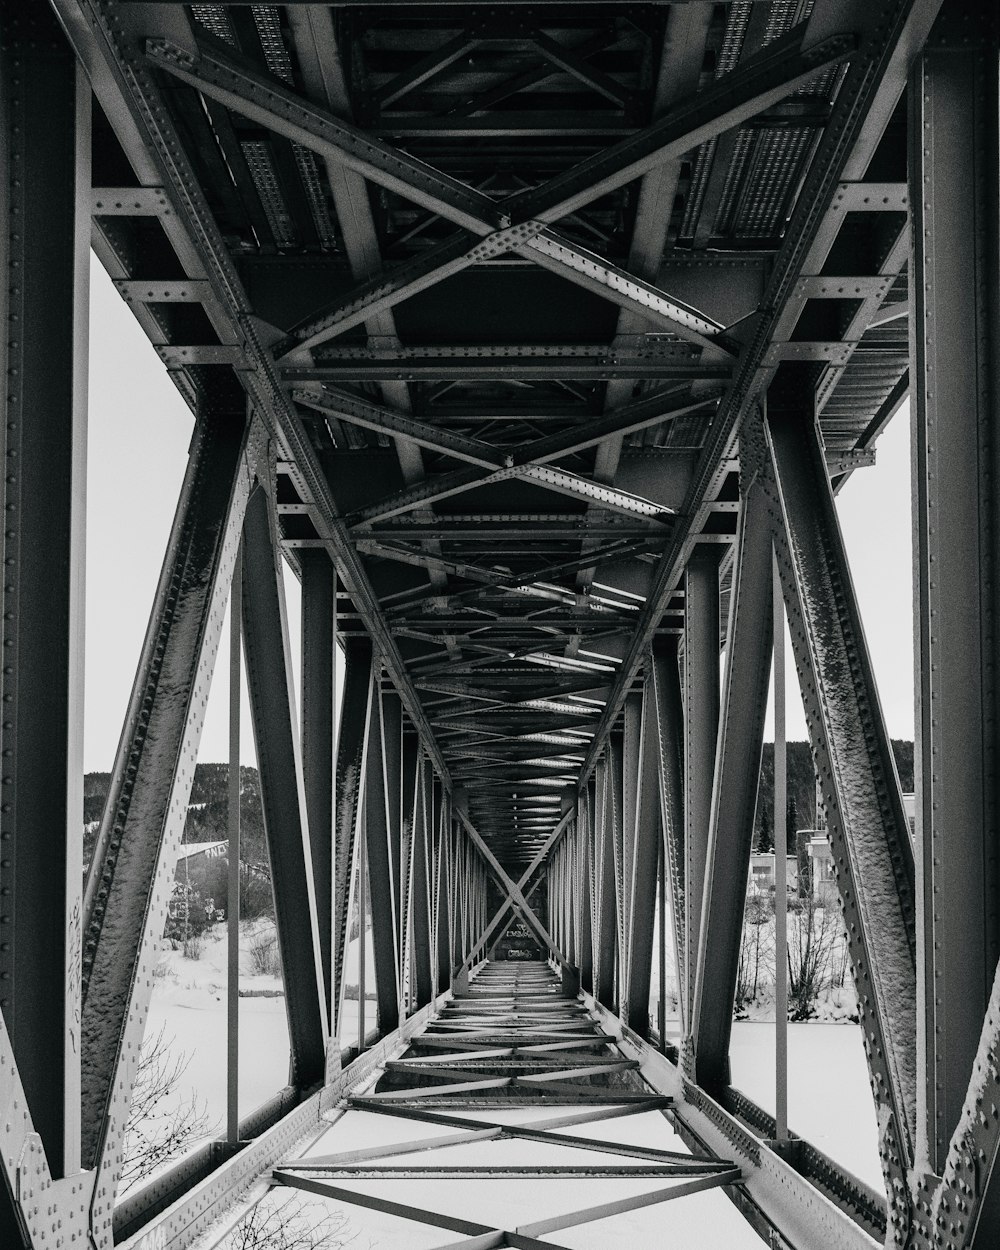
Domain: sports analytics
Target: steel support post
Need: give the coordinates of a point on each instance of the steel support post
(737, 768)
(352, 739)
(379, 855)
(701, 725)
(44, 252)
(442, 936)
(585, 884)
(286, 826)
(626, 829)
(318, 711)
(955, 375)
(126, 894)
(234, 858)
(781, 871)
(646, 839)
(422, 909)
(869, 835)
(409, 797)
(606, 937)
(666, 692)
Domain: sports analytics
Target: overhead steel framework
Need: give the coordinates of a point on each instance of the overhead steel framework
(534, 337)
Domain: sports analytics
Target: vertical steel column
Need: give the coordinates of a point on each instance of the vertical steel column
(318, 711)
(585, 884)
(701, 726)
(646, 839)
(392, 769)
(422, 906)
(272, 705)
(379, 857)
(955, 371)
(669, 720)
(869, 835)
(780, 870)
(631, 742)
(607, 916)
(737, 765)
(442, 950)
(44, 252)
(352, 738)
(409, 791)
(233, 852)
(567, 807)
(661, 937)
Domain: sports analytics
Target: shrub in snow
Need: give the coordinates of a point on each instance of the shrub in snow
(160, 1126)
(294, 1224)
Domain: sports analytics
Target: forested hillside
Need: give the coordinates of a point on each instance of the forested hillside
(207, 812)
(802, 788)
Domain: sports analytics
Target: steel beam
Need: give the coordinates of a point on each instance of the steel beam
(378, 822)
(422, 909)
(761, 81)
(644, 834)
(318, 713)
(955, 346)
(701, 722)
(352, 744)
(606, 930)
(551, 368)
(408, 799)
(108, 47)
(286, 825)
(869, 834)
(443, 962)
(891, 31)
(44, 303)
(737, 767)
(144, 817)
(666, 691)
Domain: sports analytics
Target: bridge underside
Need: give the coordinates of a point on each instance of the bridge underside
(538, 339)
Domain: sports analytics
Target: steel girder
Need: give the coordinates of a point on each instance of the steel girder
(645, 836)
(44, 172)
(953, 94)
(319, 633)
(701, 720)
(872, 855)
(426, 861)
(286, 824)
(737, 767)
(145, 813)
(870, 92)
(955, 336)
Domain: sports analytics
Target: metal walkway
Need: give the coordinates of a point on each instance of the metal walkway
(513, 1039)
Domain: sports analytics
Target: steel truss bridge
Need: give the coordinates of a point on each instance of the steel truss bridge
(536, 337)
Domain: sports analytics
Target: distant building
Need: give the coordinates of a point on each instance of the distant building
(824, 883)
(192, 853)
(762, 872)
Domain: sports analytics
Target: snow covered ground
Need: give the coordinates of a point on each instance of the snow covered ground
(189, 1005)
(830, 1103)
(829, 1098)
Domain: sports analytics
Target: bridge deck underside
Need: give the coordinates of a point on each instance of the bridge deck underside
(514, 419)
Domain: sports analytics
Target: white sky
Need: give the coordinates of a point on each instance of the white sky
(139, 434)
